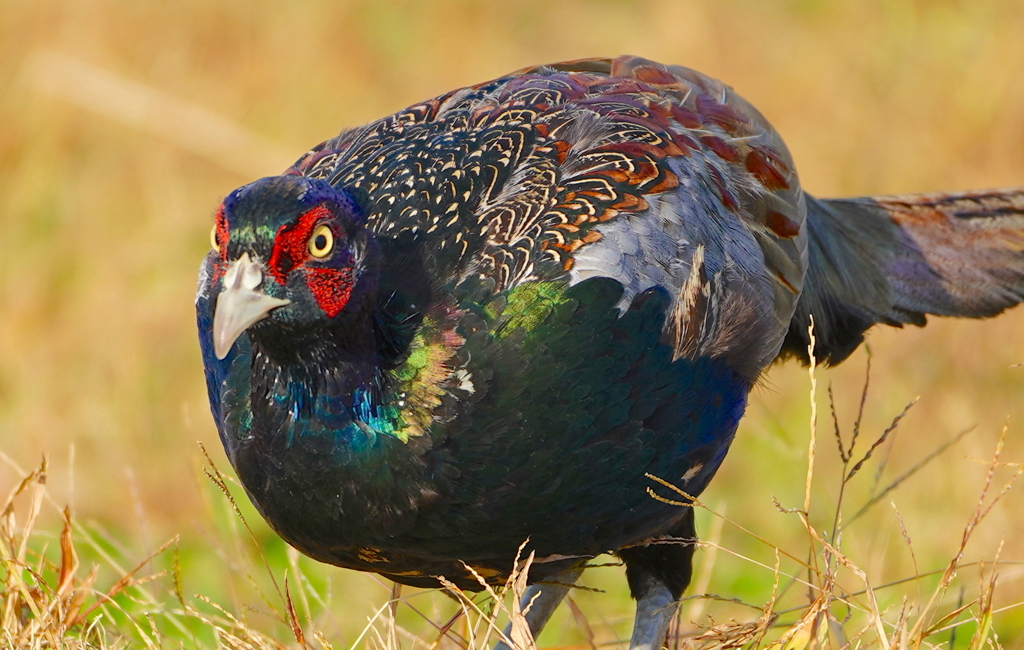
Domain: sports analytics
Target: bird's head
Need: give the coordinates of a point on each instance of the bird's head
(288, 250)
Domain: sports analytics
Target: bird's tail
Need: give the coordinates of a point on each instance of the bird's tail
(894, 259)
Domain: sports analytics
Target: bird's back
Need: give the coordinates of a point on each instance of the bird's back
(622, 168)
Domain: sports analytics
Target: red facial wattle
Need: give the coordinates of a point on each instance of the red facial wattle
(220, 239)
(291, 244)
(221, 230)
(331, 286)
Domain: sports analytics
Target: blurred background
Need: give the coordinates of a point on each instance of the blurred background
(122, 125)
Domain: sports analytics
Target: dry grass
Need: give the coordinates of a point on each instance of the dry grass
(122, 125)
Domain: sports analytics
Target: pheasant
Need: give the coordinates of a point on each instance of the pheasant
(481, 321)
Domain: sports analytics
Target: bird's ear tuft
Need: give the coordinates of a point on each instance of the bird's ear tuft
(320, 191)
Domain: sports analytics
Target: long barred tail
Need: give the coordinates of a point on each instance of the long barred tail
(894, 259)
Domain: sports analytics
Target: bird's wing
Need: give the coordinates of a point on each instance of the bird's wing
(723, 232)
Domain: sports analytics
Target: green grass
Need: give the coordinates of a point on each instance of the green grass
(105, 204)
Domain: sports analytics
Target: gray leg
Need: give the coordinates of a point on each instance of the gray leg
(658, 574)
(545, 598)
(654, 611)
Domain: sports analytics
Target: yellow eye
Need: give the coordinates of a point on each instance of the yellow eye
(213, 238)
(322, 242)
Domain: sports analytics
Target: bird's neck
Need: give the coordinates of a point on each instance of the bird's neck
(321, 442)
(329, 384)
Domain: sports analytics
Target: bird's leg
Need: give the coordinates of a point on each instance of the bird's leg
(657, 574)
(654, 612)
(542, 599)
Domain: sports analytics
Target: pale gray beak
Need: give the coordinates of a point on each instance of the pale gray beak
(240, 303)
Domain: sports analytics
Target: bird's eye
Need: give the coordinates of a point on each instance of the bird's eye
(322, 242)
(213, 238)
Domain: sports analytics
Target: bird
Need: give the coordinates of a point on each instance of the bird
(477, 327)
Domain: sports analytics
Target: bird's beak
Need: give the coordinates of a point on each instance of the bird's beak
(240, 303)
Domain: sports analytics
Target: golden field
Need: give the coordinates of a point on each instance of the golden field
(123, 124)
